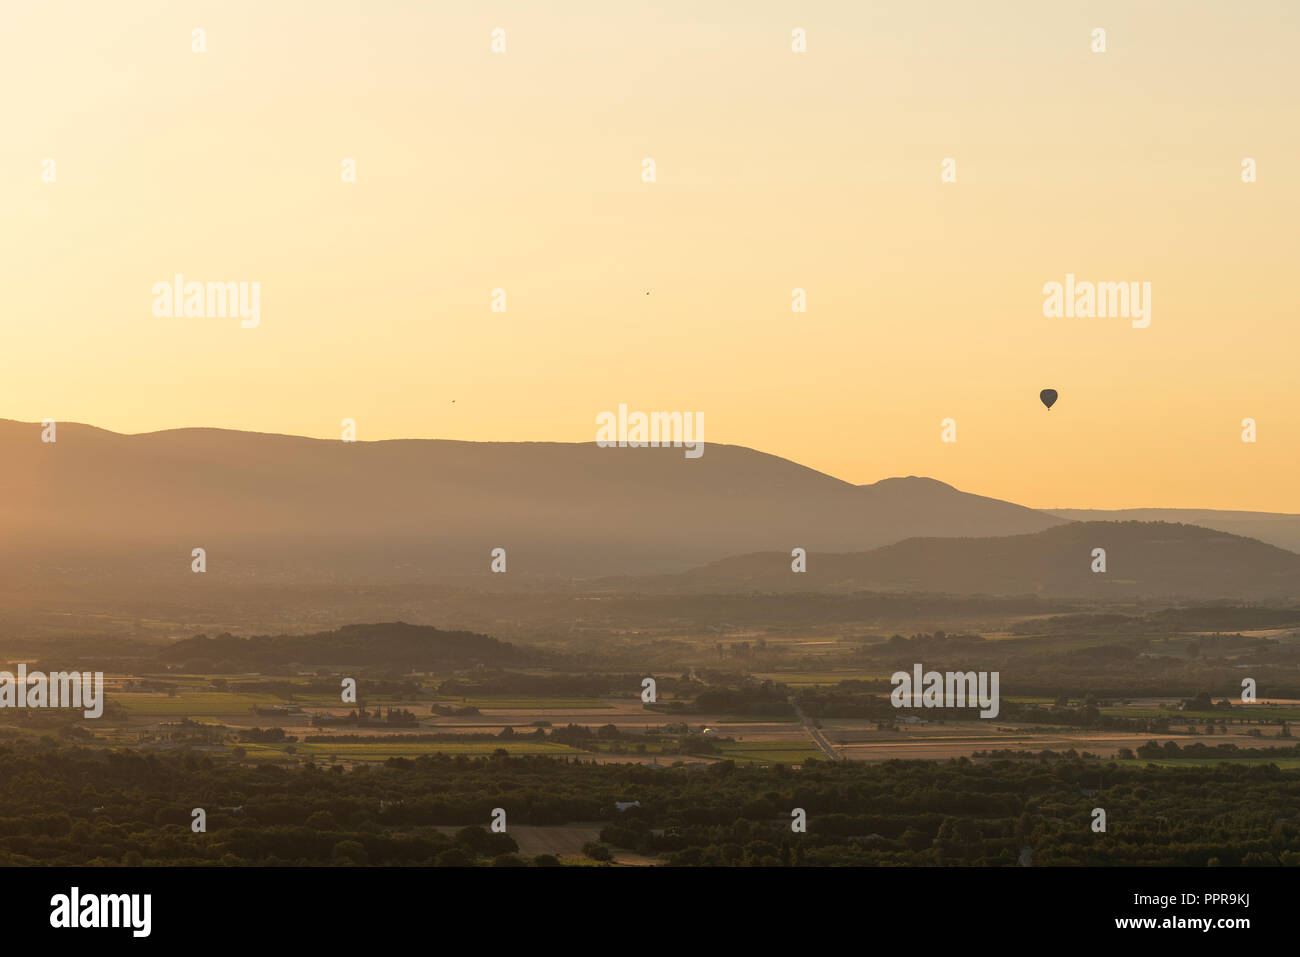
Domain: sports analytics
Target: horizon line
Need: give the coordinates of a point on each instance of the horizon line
(887, 478)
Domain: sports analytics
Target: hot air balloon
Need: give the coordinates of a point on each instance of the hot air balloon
(1049, 398)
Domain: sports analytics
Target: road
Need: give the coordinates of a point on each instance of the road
(818, 738)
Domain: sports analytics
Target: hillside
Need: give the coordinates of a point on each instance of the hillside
(278, 507)
(1142, 559)
(1276, 528)
(395, 645)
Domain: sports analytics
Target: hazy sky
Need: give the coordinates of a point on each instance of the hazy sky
(775, 170)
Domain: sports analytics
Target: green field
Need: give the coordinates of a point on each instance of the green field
(368, 701)
(630, 747)
(193, 703)
(797, 679)
(522, 702)
(382, 751)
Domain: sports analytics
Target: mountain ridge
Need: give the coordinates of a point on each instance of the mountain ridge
(1147, 559)
(277, 507)
(561, 508)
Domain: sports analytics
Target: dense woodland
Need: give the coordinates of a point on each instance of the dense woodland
(69, 805)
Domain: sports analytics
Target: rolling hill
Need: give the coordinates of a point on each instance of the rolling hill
(284, 507)
(390, 644)
(115, 514)
(1276, 528)
(1145, 559)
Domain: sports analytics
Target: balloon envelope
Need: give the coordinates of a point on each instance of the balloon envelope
(1048, 396)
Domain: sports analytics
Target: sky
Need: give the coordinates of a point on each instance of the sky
(775, 170)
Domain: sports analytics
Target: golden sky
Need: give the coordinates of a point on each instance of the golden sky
(776, 170)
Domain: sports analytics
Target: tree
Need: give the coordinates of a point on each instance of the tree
(455, 857)
(321, 821)
(914, 839)
(760, 854)
(350, 852)
(475, 839)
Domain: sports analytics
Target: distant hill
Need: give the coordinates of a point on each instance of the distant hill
(277, 507)
(393, 644)
(99, 517)
(1276, 528)
(1143, 559)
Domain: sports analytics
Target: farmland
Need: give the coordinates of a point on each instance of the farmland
(193, 713)
(580, 740)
